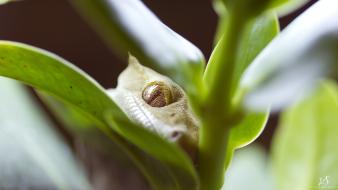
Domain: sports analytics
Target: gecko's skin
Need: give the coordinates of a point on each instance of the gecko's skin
(157, 103)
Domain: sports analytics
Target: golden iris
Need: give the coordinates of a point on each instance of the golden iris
(157, 94)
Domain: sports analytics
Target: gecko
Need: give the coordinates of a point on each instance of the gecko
(156, 103)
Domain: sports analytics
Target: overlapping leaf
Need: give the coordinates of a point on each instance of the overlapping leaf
(60, 79)
(292, 64)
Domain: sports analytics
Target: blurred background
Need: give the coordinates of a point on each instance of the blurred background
(55, 26)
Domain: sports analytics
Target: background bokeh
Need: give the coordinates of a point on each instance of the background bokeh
(55, 26)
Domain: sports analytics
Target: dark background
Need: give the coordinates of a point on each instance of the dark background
(55, 26)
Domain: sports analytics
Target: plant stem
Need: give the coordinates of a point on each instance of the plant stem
(223, 59)
(212, 156)
(216, 122)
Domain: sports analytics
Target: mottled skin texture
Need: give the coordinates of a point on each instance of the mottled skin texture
(174, 121)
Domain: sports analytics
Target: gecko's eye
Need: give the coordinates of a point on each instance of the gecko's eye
(157, 94)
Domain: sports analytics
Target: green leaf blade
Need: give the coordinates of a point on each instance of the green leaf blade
(54, 75)
(248, 129)
(303, 150)
(245, 132)
(62, 80)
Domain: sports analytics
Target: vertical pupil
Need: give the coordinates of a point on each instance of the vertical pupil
(157, 95)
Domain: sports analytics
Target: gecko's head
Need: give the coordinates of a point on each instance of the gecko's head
(157, 103)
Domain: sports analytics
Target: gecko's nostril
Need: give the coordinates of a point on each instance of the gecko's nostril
(157, 94)
(175, 134)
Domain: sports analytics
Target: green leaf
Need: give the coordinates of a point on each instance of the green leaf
(73, 118)
(256, 37)
(167, 152)
(291, 65)
(33, 155)
(246, 8)
(304, 149)
(55, 76)
(245, 132)
(250, 127)
(284, 7)
(249, 170)
(131, 27)
(62, 80)
(255, 7)
(159, 174)
(257, 34)
(219, 7)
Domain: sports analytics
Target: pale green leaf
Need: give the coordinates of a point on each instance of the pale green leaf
(249, 169)
(304, 150)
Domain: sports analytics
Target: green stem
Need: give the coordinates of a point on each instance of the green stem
(223, 59)
(212, 156)
(217, 120)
